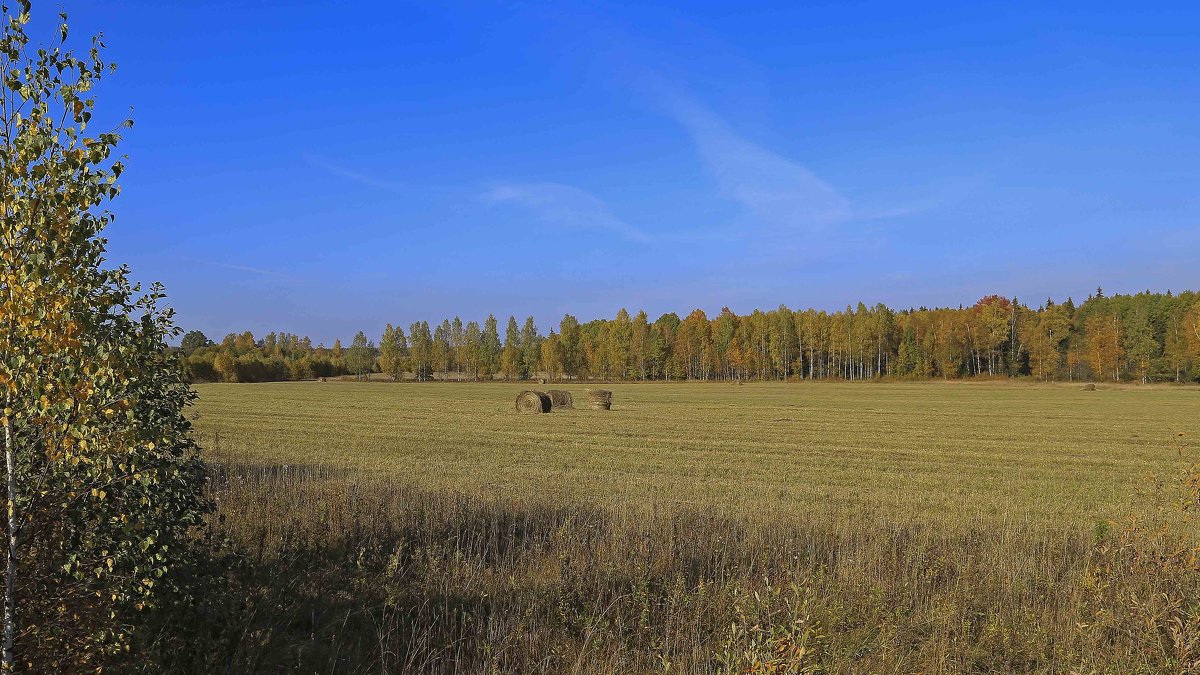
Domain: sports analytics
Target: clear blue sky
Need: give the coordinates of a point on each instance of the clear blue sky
(326, 167)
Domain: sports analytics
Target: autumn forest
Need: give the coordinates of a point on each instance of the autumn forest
(1143, 338)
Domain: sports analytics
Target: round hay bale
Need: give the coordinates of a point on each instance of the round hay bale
(599, 399)
(533, 402)
(560, 398)
(542, 381)
(1089, 387)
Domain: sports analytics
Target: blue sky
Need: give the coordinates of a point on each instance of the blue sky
(321, 168)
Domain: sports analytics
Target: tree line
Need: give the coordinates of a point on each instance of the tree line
(1144, 337)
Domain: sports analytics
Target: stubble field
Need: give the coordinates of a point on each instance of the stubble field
(1049, 454)
(927, 527)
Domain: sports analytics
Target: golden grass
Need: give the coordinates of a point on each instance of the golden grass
(787, 528)
(1049, 454)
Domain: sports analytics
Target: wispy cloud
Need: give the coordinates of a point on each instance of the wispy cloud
(241, 268)
(565, 206)
(780, 192)
(357, 177)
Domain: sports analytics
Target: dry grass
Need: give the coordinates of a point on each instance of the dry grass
(967, 452)
(695, 528)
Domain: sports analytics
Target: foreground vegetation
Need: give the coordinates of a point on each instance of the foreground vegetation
(104, 493)
(931, 528)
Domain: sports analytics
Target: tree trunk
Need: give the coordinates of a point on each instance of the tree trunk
(10, 576)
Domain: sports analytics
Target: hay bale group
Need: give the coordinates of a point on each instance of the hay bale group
(533, 402)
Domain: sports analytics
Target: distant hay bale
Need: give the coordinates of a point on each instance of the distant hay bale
(533, 402)
(1089, 387)
(560, 398)
(542, 381)
(599, 399)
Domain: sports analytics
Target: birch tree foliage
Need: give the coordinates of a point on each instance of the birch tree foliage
(103, 482)
(391, 352)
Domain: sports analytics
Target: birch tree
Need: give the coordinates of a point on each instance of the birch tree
(102, 482)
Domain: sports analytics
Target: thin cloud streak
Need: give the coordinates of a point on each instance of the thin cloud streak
(564, 205)
(243, 268)
(780, 192)
(357, 177)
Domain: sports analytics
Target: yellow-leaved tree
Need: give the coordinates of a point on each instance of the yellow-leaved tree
(102, 481)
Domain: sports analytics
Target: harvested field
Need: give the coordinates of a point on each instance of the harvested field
(1048, 454)
(889, 527)
(933, 527)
